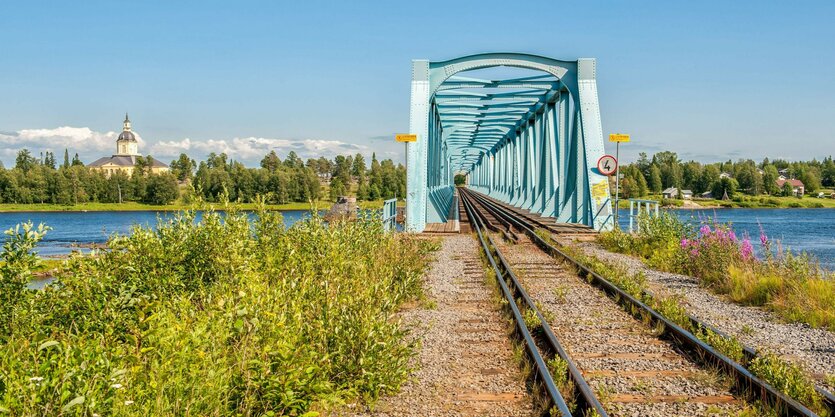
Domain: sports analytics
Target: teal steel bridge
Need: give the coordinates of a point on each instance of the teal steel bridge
(530, 141)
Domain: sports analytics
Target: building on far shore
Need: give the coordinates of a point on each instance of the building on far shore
(798, 189)
(124, 160)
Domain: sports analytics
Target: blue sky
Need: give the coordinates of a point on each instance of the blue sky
(710, 80)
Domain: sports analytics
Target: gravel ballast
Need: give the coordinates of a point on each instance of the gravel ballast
(465, 365)
(813, 349)
(633, 372)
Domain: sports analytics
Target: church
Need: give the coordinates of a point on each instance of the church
(124, 160)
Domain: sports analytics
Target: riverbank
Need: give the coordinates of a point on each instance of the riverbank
(178, 206)
(740, 202)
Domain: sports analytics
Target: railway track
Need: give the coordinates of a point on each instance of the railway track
(610, 363)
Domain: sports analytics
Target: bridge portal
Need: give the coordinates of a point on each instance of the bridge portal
(532, 141)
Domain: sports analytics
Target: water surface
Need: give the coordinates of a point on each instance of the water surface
(800, 229)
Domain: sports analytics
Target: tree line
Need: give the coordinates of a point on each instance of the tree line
(665, 170)
(43, 180)
(292, 180)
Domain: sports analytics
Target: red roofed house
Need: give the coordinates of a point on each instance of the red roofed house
(798, 188)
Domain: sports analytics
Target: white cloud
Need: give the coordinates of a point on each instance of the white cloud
(90, 145)
(252, 149)
(82, 140)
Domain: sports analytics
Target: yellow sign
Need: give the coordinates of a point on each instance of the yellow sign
(618, 137)
(405, 137)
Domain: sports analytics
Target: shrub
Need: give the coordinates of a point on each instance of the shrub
(225, 316)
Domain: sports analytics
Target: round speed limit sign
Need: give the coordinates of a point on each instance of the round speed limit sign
(607, 164)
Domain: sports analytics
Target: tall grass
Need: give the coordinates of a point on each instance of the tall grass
(226, 316)
(794, 286)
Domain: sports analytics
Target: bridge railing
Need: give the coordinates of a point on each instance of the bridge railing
(635, 205)
(390, 215)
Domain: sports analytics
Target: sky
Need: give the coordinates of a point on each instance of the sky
(709, 80)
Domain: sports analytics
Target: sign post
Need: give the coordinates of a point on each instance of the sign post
(617, 138)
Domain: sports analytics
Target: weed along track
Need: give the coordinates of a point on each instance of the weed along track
(605, 352)
(465, 365)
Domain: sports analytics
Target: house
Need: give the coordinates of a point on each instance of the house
(798, 188)
(708, 195)
(124, 160)
(687, 194)
(784, 173)
(782, 177)
(673, 192)
(725, 175)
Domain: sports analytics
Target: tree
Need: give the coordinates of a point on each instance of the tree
(708, 178)
(770, 176)
(271, 162)
(66, 163)
(787, 190)
(724, 185)
(810, 180)
(76, 161)
(337, 189)
(25, 161)
(183, 168)
(749, 178)
(293, 161)
(655, 184)
(49, 160)
(161, 189)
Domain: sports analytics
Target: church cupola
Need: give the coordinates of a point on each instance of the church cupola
(126, 144)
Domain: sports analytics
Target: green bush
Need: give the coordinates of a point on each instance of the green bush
(225, 316)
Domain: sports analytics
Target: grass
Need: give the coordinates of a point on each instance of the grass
(791, 285)
(228, 316)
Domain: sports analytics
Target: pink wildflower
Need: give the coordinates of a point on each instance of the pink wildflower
(704, 230)
(746, 250)
(684, 243)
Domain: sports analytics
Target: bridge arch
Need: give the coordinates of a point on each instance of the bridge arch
(529, 141)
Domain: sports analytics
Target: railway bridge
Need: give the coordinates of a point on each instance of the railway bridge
(529, 134)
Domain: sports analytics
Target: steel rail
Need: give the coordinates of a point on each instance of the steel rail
(539, 362)
(586, 393)
(784, 404)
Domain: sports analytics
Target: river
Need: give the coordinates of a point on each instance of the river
(809, 230)
(800, 230)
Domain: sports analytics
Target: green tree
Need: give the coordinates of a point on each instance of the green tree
(183, 167)
(770, 176)
(76, 161)
(161, 189)
(337, 189)
(655, 183)
(810, 180)
(25, 161)
(724, 185)
(271, 162)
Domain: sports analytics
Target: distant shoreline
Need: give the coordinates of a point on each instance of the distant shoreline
(139, 207)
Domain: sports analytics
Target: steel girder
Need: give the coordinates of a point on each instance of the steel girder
(532, 142)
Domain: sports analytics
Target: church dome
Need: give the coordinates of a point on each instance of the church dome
(127, 135)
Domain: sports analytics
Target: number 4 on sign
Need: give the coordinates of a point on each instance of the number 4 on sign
(607, 165)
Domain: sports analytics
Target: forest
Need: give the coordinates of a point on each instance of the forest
(745, 176)
(40, 180)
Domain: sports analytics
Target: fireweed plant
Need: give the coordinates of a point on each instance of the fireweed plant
(218, 316)
(792, 285)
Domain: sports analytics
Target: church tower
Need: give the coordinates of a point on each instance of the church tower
(126, 144)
